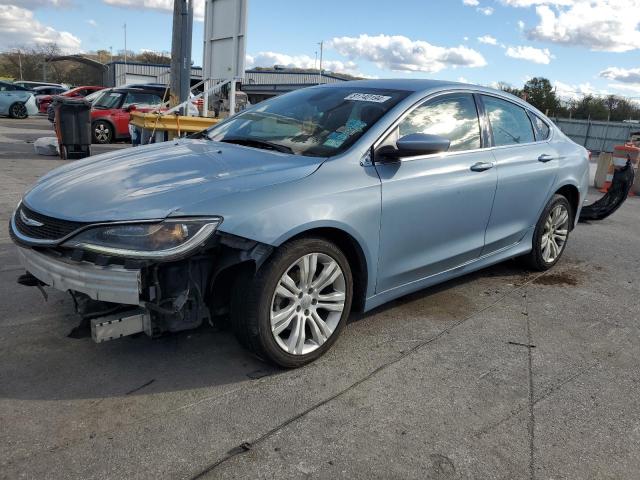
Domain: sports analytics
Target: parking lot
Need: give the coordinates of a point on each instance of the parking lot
(503, 374)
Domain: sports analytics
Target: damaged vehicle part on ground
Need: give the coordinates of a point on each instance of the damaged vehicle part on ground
(285, 216)
(616, 195)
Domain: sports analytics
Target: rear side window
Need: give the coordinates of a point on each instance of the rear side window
(452, 116)
(142, 99)
(540, 127)
(510, 123)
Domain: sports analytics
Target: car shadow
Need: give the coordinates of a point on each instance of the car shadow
(46, 367)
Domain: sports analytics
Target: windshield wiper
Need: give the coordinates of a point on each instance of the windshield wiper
(256, 142)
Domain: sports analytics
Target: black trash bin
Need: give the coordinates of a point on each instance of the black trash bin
(73, 127)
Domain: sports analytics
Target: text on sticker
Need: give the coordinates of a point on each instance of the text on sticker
(367, 97)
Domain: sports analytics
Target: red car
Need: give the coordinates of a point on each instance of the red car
(43, 101)
(110, 112)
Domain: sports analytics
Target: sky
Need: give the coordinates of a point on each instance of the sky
(582, 46)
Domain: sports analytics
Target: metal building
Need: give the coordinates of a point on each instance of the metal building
(262, 84)
(120, 73)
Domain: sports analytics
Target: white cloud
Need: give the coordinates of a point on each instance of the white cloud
(471, 3)
(92, 22)
(269, 59)
(532, 54)
(33, 4)
(485, 10)
(161, 5)
(521, 25)
(622, 75)
(605, 25)
(19, 27)
(400, 53)
(488, 40)
(575, 91)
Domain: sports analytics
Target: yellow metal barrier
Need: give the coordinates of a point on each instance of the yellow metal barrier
(171, 123)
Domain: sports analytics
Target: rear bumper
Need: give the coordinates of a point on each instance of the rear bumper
(108, 284)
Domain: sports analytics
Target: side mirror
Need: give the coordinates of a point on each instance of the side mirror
(131, 108)
(415, 144)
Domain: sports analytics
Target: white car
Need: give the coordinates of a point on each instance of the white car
(16, 101)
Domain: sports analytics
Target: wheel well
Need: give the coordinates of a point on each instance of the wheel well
(352, 250)
(572, 194)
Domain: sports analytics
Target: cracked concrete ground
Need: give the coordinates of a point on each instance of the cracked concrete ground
(503, 374)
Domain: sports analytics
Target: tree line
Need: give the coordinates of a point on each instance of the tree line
(541, 94)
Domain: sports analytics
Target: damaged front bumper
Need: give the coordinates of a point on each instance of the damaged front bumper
(107, 284)
(117, 297)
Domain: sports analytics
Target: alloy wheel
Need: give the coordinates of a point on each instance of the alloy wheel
(19, 110)
(102, 133)
(307, 303)
(556, 231)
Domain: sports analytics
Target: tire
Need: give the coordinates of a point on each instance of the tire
(18, 110)
(102, 132)
(542, 257)
(312, 312)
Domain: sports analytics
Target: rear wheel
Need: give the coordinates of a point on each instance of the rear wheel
(551, 234)
(102, 132)
(293, 309)
(18, 110)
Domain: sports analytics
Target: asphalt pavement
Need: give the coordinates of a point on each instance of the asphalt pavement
(503, 374)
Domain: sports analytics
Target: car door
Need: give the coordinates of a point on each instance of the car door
(435, 208)
(526, 164)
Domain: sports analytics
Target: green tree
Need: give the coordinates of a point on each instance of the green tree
(540, 93)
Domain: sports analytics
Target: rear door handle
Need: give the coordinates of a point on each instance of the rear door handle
(481, 166)
(544, 158)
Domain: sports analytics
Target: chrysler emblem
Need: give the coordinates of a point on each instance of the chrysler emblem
(30, 221)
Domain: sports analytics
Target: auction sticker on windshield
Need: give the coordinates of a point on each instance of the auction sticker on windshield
(367, 97)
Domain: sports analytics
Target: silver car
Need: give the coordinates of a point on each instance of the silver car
(16, 101)
(285, 217)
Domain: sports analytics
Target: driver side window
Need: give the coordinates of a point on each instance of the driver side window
(453, 116)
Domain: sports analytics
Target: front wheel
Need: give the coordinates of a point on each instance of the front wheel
(102, 132)
(551, 234)
(18, 110)
(293, 309)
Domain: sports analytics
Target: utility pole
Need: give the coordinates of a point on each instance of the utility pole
(180, 83)
(125, 47)
(111, 51)
(320, 69)
(20, 63)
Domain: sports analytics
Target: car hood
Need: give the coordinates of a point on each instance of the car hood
(155, 181)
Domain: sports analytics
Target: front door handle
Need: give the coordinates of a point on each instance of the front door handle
(544, 158)
(481, 166)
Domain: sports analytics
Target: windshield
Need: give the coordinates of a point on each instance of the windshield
(312, 121)
(109, 100)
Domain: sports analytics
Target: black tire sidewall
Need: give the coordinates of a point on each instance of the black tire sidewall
(275, 269)
(536, 255)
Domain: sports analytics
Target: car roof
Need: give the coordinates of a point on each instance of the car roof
(426, 86)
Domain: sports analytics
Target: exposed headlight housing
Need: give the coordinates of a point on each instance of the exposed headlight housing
(164, 240)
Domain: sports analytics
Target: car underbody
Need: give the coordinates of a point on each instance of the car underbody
(123, 297)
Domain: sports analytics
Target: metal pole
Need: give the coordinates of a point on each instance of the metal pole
(125, 47)
(586, 135)
(20, 64)
(232, 97)
(606, 132)
(181, 52)
(320, 69)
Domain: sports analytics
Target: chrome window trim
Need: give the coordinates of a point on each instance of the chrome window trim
(433, 95)
(527, 111)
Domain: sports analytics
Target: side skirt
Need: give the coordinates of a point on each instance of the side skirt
(512, 251)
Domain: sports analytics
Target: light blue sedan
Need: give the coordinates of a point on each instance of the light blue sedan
(16, 101)
(287, 216)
